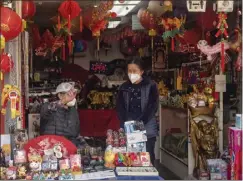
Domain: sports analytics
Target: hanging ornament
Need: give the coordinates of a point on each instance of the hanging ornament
(2, 42)
(172, 28)
(222, 26)
(69, 10)
(11, 93)
(28, 9)
(11, 23)
(6, 64)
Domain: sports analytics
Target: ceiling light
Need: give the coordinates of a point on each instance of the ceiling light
(124, 8)
(113, 24)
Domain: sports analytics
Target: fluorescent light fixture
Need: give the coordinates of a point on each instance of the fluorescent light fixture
(122, 9)
(113, 24)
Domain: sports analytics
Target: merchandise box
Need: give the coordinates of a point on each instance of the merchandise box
(238, 121)
(136, 147)
(136, 137)
(33, 125)
(136, 171)
(235, 138)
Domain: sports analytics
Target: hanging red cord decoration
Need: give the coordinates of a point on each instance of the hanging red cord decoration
(69, 10)
(222, 26)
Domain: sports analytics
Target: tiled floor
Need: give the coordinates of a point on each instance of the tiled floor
(164, 172)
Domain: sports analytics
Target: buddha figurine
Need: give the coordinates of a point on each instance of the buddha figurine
(204, 135)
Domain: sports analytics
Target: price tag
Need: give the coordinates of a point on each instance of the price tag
(220, 83)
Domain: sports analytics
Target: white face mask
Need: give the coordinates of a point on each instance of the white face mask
(134, 77)
(71, 103)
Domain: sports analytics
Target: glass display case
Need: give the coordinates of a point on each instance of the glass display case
(174, 139)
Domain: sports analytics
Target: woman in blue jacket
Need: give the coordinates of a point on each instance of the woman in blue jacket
(138, 100)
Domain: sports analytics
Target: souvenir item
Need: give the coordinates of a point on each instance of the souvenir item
(28, 176)
(238, 121)
(217, 169)
(109, 157)
(66, 175)
(64, 164)
(136, 147)
(145, 159)
(2, 173)
(20, 157)
(58, 151)
(11, 173)
(22, 172)
(75, 161)
(35, 161)
(36, 176)
(109, 138)
(20, 138)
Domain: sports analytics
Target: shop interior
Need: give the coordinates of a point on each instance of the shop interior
(192, 49)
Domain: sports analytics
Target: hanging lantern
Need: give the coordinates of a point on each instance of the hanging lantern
(28, 9)
(11, 24)
(69, 10)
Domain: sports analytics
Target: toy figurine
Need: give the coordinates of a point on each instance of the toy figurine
(66, 175)
(109, 157)
(22, 172)
(2, 158)
(11, 173)
(28, 176)
(35, 161)
(2, 173)
(36, 176)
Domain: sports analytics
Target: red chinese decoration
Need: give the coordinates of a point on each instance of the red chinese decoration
(69, 10)
(6, 63)
(222, 26)
(28, 9)
(49, 43)
(11, 23)
(40, 144)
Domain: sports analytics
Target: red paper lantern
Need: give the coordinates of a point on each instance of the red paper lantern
(6, 63)
(11, 24)
(28, 9)
(70, 9)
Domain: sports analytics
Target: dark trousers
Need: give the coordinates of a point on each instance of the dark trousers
(150, 145)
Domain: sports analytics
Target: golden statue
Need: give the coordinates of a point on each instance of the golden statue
(204, 136)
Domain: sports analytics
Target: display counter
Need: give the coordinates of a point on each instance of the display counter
(174, 139)
(96, 122)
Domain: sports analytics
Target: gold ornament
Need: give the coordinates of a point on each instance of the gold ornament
(204, 136)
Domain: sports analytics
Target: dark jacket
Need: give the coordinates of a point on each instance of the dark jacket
(57, 120)
(149, 105)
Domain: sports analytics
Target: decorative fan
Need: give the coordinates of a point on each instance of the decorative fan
(44, 143)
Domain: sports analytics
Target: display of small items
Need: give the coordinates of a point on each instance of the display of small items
(116, 138)
(50, 166)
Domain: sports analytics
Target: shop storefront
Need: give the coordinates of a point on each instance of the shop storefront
(66, 82)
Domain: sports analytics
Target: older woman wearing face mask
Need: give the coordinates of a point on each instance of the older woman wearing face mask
(61, 117)
(138, 100)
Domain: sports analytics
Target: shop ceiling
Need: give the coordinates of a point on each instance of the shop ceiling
(46, 9)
